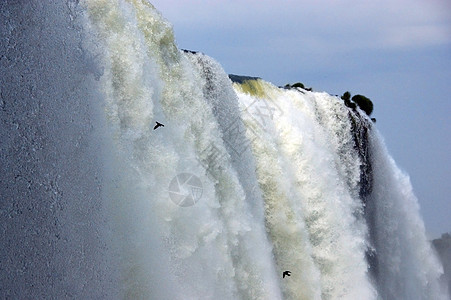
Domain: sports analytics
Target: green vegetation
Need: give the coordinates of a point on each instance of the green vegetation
(346, 96)
(297, 85)
(347, 99)
(363, 102)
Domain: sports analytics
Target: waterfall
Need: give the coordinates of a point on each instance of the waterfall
(245, 180)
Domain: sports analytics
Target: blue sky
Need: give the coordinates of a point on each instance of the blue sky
(396, 52)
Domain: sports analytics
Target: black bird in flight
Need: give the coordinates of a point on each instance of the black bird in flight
(286, 273)
(158, 125)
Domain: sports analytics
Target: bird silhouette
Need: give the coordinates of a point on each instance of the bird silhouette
(158, 125)
(286, 273)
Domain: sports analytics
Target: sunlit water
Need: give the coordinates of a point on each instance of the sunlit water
(272, 179)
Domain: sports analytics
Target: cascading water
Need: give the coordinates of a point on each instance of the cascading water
(244, 181)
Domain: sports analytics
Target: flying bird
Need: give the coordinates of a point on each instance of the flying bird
(158, 125)
(286, 273)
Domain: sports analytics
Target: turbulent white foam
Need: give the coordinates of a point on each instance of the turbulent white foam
(407, 267)
(309, 205)
(280, 180)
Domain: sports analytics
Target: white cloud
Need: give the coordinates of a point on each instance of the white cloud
(347, 24)
(415, 36)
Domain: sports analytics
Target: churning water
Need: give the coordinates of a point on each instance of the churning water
(244, 181)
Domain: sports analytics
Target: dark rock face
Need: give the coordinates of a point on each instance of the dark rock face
(360, 128)
(51, 215)
(241, 79)
(443, 248)
(190, 51)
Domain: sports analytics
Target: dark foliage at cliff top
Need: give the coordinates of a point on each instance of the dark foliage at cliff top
(364, 103)
(297, 85)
